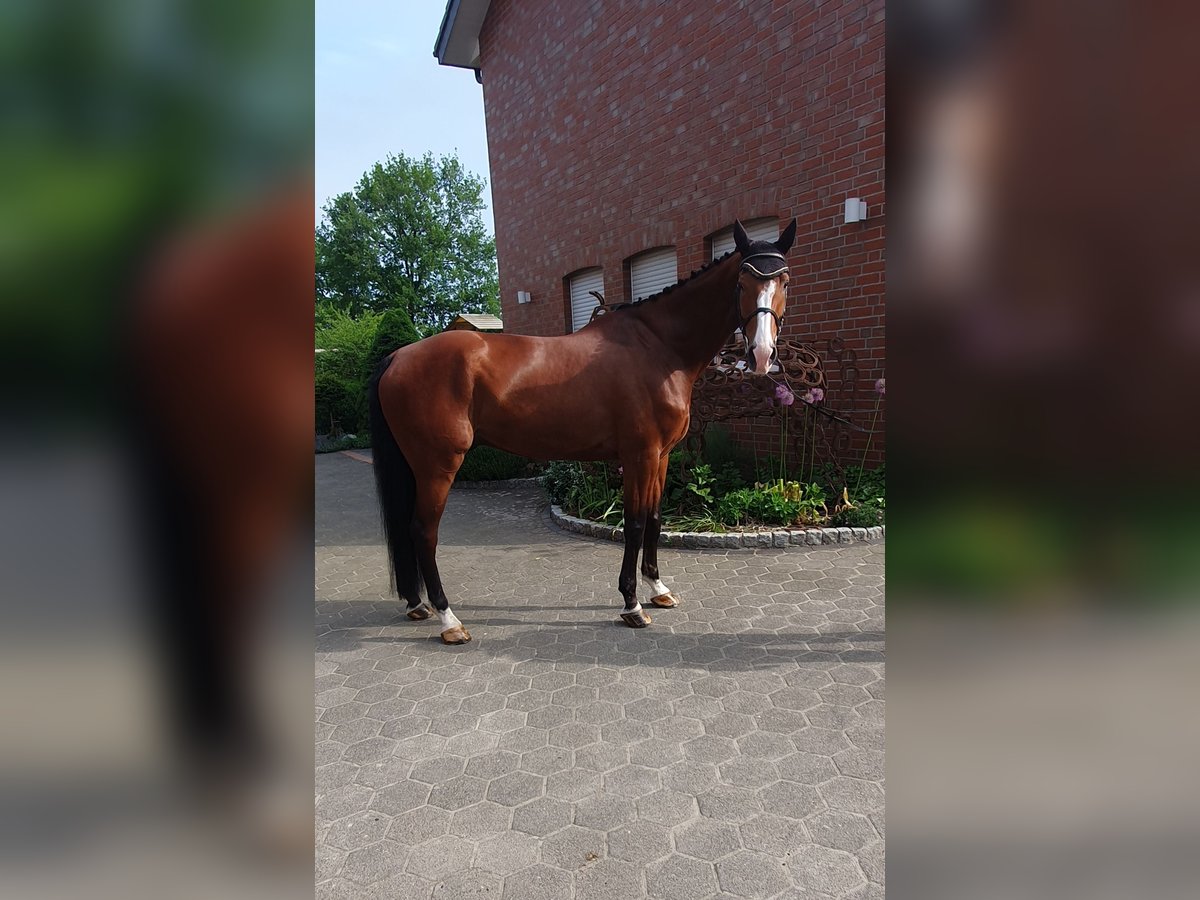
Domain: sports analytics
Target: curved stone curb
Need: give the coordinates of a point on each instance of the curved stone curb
(778, 539)
(495, 485)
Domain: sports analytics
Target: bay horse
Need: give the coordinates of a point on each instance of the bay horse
(617, 390)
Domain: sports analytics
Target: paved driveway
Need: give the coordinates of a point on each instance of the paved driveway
(732, 749)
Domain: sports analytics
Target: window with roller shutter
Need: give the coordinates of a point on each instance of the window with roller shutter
(652, 271)
(582, 302)
(756, 230)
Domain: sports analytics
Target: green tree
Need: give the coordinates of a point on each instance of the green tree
(343, 367)
(409, 236)
(395, 330)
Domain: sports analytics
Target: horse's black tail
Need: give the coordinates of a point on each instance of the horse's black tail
(397, 489)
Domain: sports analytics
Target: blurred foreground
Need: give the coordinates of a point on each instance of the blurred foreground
(1044, 345)
(155, 459)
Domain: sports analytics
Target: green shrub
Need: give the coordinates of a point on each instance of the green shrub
(589, 490)
(698, 496)
(867, 515)
(342, 369)
(559, 480)
(724, 455)
(489, 464)
(395, 330)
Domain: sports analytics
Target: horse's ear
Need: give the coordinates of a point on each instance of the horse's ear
(741, 240)
(784, 244)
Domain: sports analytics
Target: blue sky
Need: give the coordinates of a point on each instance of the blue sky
(379, 90)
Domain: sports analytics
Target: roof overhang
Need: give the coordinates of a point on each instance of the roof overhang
(458, 38)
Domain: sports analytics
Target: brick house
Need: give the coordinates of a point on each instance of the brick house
(626, 135)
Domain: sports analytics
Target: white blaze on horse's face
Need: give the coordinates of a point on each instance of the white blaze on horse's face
(762, 331)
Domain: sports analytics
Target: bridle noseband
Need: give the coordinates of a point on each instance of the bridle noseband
(763, 265)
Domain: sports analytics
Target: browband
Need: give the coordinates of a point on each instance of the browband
(777, 260)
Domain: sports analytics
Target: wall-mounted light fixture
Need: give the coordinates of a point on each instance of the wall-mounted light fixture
(856, 210)
(522, 296)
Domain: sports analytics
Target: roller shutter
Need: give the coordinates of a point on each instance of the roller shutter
(756, 229)
(582, 303)
(650, 272)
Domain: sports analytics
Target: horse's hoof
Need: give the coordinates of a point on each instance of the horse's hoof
(419, 613)
(665, 601)
(636, 619)
(456, 635)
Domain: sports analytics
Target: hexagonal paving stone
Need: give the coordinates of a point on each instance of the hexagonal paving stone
(438, 769)
(631, 781)
(490, 765)
(480, 821)
(546, 760)
(640, 842)
(506, 853)
(440, 857)
(816, 868)
(375, 862)
(771, 834)
(542, 816)
(515, 788)
(604, 813)
(747, 873)
(343, 800)
(473, 883)
(401, 797)
(666, 807)
(762, 696)
(709, 749)
(852, 794)
(730, 804)
(866, 764)
(625, 731)
(680, 878)
(573, 847)
(871, 860)
(787, 798)
(538, 883)
(690, 777)
(357, 830)
(458, 792)
(840, 830)
(608, 879)
(707, 839)
(572, 784)
(419, 825)
(806, 768)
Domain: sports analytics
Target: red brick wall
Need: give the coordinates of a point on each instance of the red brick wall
(619, 125)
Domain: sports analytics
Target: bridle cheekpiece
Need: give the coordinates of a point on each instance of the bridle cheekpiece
(763, 265)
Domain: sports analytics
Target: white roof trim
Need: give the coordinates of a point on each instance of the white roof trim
(458, 39)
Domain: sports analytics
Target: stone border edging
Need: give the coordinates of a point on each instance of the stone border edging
(777, 539)
(495, 485)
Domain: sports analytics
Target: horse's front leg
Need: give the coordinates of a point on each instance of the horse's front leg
(660, 594)
(640, 477)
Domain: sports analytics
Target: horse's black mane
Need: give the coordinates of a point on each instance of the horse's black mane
(695, 274)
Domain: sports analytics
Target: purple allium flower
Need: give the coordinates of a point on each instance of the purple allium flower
(818, 394)
(784, 396)
(807, 397)
(879, 388)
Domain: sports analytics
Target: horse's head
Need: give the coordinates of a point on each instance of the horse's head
(762, 293)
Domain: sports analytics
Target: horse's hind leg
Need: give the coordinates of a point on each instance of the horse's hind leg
(660, 594)
(431, 503)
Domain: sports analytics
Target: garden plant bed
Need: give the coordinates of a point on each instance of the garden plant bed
(776, 538)
(497, 485)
